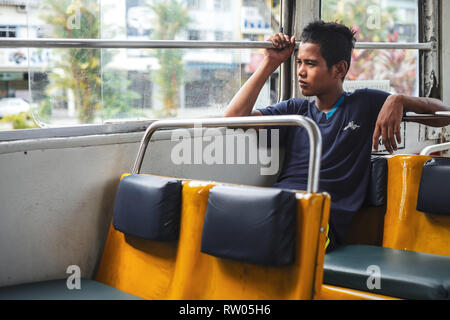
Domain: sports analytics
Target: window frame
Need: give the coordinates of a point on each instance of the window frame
(430, 61)
(294, 15)
(74, 131)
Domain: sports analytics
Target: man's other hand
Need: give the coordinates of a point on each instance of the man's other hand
(388, 124)
(284, 47)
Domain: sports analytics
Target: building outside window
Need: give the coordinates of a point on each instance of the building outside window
(7, 31)
(193, 35)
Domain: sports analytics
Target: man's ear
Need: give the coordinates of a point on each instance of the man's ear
(340, 69)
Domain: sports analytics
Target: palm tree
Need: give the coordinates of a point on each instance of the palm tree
(76, 69)
(171, 17)
(80, 70)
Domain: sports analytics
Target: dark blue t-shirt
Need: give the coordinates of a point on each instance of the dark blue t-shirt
(347, 144)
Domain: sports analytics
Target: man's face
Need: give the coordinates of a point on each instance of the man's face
(314, 77)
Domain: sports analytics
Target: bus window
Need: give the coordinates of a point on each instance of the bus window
(14, 94)
(83, 86)
(381, 21)
(409, 66)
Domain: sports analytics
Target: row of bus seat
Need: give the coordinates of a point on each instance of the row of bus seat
(413, 258)
(412, 261)
(214, 241)
(179, 239)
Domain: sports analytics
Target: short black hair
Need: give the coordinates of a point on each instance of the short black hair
(336, 40)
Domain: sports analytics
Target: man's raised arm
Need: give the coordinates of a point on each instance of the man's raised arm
(243, 102)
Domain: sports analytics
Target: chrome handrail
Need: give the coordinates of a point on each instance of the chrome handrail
(439, 115)
(435, 148)
(315, 138)
(179, 44)
(443, 113)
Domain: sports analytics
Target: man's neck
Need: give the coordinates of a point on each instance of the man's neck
(326, 102)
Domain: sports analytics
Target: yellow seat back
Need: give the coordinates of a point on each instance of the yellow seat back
(404, 227)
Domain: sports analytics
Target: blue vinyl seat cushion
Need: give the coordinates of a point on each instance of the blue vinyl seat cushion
(434, 195)
(403, 274)
(57, 290)
(254, 225)
(377, 189)
(148, 207)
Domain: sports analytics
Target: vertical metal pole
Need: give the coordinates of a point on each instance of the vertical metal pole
(287, 15)
(306, 11)
(429, 32)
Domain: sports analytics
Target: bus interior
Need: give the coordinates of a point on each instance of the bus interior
(116, 89)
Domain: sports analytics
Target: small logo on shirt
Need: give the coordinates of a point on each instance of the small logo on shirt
(352, 125)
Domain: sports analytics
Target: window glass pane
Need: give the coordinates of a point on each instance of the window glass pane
(81, 86)
(380, 21)
(15, 100)
(149, 86)
(398, 68)
(141, 19)
(376, 20)
(66, 87)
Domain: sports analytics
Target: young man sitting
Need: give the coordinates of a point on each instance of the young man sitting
(350, 123)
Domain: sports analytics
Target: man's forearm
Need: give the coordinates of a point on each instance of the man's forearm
(242, 104)
(425, 105)
(422, 105)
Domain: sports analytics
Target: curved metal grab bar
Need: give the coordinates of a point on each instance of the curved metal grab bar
(435, 148)
(315, 138)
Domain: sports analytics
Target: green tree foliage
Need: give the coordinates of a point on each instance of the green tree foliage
(374, 24)
(80, 70)
(76, 69)
(171, 17)
(117, 97)
(22, 120)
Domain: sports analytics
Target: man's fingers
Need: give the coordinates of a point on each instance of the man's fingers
(387, 145)
(376, 138)
(395, 137)
(398, 135)
(292, 42)
(275, 40)
(280, 40)
(283, 43)
(391, 138)
(385, 138)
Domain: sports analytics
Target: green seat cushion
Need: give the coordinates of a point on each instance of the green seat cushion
(57, 290)
(402, 274)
